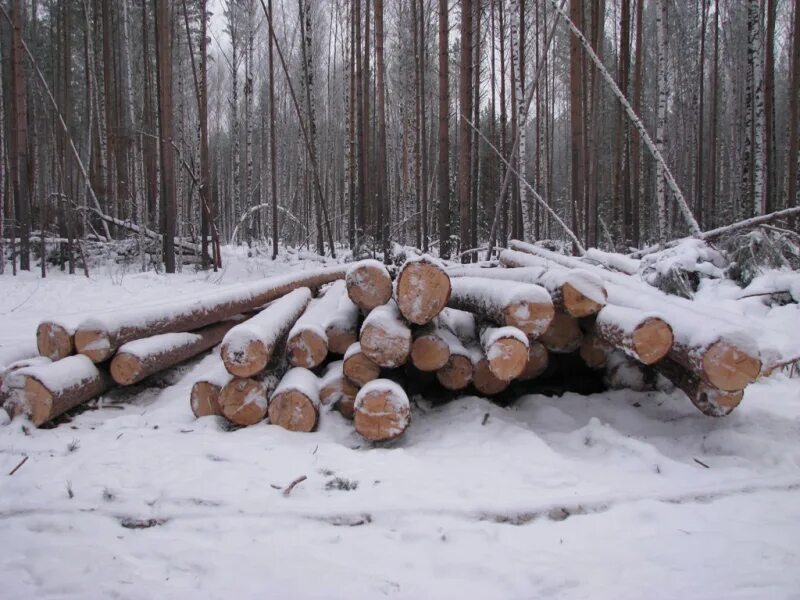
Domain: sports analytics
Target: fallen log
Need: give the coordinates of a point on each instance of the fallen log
(141, 358)
(464, 350)
(369, 284)
(577, 293)
(485, 381)
(643, 336)
(538, 359)
(46, 391)
(422, 290)
(709, 400)
(248, 348)
(382, 411)
(243, 401)
(294, 405)
(55, 339)
(7, 372)
(357, 366)
(506, 351)
(715, 345)
(563, 335)
(100, 336)
(307, 342)
(342, 328)
(525, 306)
(338, 391)
(594, 351)
(385, 338)
(432, 345)
(456, 374)
(205, 394)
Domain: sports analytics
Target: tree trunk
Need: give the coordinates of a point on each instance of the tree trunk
(464, 131)
(382, 196)
(167, 153)
(661, 119)
(794, 117)
(444, 133)
(576, 99)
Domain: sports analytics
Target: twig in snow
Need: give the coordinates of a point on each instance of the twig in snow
(485, 419)
(700, 462)
(22, 462)
(297, 481)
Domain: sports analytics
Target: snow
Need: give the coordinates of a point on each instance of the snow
(300, 380)
(624, 318)
(61, 374)
(497, 297)
(159, 344)
(568, 497)
(320, 312)
(396, 397)
(491, 335)
(352, 350)
(618, 262)
(387, 318)
(268, 325)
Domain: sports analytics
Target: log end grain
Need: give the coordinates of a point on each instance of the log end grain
(340, 338)
(423, 289)
(307, 349)
(577, 304)
(243, 401)
(293, 410)
(507, 358)
(54, 341)
(456, 374)
(728, 368)
(485, 381)
(94, 343)
(533, 318)
(369, 285)
(429, 353)
(386, 347)
(359, 369)
(594, 351)
(652, 340)
(563, 335)
(341, 394)
(248, 361)
(382, 413)
(538, 359)
(205, 399)
(713, 402)
(126, 369)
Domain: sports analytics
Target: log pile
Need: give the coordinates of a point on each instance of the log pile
(354, 340)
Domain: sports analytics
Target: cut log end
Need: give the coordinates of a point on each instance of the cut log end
(293, 410)
(563, 335)
(341, 394)
(340, 339)
(507, 358)
(205, 399)
(485, 381)
(359, 369)
(369, 286)
(243, 401)
(652, 340)
(53, 341)
(713, 402)
(728, 368)
(248, 361)
(429, 353)
(423, 289)
(307, 349)
(594, 351)
(94, 343)
(388, 348)
(382, 415)
(456, 374)
(126, 369)
(538, 359)
(576, 304)
(533, 318)
(38, 401)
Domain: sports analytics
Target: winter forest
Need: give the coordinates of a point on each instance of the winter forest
(449, 126)
(407, 298)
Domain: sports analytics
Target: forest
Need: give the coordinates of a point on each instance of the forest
(451, 127)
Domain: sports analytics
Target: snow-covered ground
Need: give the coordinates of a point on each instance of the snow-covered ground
(616, 495)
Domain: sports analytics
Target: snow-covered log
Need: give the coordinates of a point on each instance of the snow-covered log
(307, 342)
(99, 337)
(594, 351)
(485, 381)
(577, 293)
(294, 405)
(204, 397)
(385, 337)
(342, 328)
(641, 335)
(55, 338)
(7, 371)
(382, 411)
(538, 359)
(713, 343)
(506, 351)
(456, 374)
(563, 335)
(46, 391)
(243, 400)
(141, 358)
(422, 289)
(612, 260)
(523, 305)
(465, 350)
(336, 390)
(369, 284)
(433, 343)
(357, 366)
(708, 399)
(248, 348)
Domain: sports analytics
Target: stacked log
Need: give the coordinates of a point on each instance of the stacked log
(369, 284)
(422, 289)
(382, 411)
(204, 397)
(294, 405)
(308, 342)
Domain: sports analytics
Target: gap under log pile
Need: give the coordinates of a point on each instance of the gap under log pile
(353, 339)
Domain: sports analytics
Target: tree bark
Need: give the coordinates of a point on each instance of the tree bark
(444, 133)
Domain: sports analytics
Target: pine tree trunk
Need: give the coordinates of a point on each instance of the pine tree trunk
(464, 131)
(273, 144)
(444, 133)
(380, 109)
(576, 100)
(661, 119)
(794, 115)
(164, 59)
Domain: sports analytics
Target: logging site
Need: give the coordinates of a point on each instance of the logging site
(425, 299)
